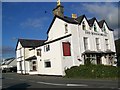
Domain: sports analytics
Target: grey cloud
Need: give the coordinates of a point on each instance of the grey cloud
(107, 11)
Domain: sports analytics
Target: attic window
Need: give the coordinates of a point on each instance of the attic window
(83, 25)
(66, 28)
(95, 28)
(104, 29)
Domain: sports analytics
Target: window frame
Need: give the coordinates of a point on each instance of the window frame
(66, 28)
(39, 53)
(95, 27)
(83, 25)
(46, 64)
(86, 47)
(97, 43)
(107, 44)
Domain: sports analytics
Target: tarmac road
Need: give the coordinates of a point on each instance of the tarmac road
(13, 80)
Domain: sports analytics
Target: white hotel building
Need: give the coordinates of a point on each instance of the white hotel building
(72, 41)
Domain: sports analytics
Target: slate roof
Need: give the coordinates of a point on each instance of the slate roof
(28, 43)
(91, 21)
(8, 61)
(80, 18)
(101, 23)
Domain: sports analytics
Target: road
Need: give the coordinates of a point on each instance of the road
(13, 80)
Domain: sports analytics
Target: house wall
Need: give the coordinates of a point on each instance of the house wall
(21, 55)
(54, 56)
(58, 29)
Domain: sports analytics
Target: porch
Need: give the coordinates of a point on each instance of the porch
(99, 57)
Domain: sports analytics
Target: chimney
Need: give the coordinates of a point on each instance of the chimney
(74, 16)
(59, 10)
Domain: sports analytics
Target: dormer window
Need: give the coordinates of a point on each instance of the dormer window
(104, 29)
(95, 28)
(83, 25)
(66, 28)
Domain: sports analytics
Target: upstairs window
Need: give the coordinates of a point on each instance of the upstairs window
(66, 28)
(46, 48)
(104, 28)
(106, 44)
(38, 52)
(66, 49)
(83, 25)
(95, 28)
(85, 43)
(97, 44)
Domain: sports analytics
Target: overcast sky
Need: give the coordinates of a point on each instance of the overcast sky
(31, 20)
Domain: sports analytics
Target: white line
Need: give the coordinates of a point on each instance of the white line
(62, 84)
(76, 85)
(52, 84)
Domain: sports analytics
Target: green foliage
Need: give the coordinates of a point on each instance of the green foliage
(92, 71)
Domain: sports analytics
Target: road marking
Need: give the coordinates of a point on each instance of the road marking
(52, 84)
(76, 85)
(62, 84)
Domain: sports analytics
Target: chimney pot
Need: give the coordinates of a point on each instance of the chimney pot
(74, 16)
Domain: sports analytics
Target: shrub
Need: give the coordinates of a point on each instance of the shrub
(92, 71)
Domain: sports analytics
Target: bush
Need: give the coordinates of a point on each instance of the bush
(92, 71)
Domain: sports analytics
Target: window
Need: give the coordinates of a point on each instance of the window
(97, 44)
(104, 29)
(38, 52)
(95, 28)
(83, 25)
(106, 44)
(85, 43)
(46, 48)
(66, 28)
(66, 49)
(33, 66)
(47, 64)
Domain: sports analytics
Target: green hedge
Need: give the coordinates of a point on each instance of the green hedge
(92, 71)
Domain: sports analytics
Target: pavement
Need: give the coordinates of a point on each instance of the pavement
(14, 80)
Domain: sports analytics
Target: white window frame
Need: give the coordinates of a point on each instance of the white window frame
(86, 43)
